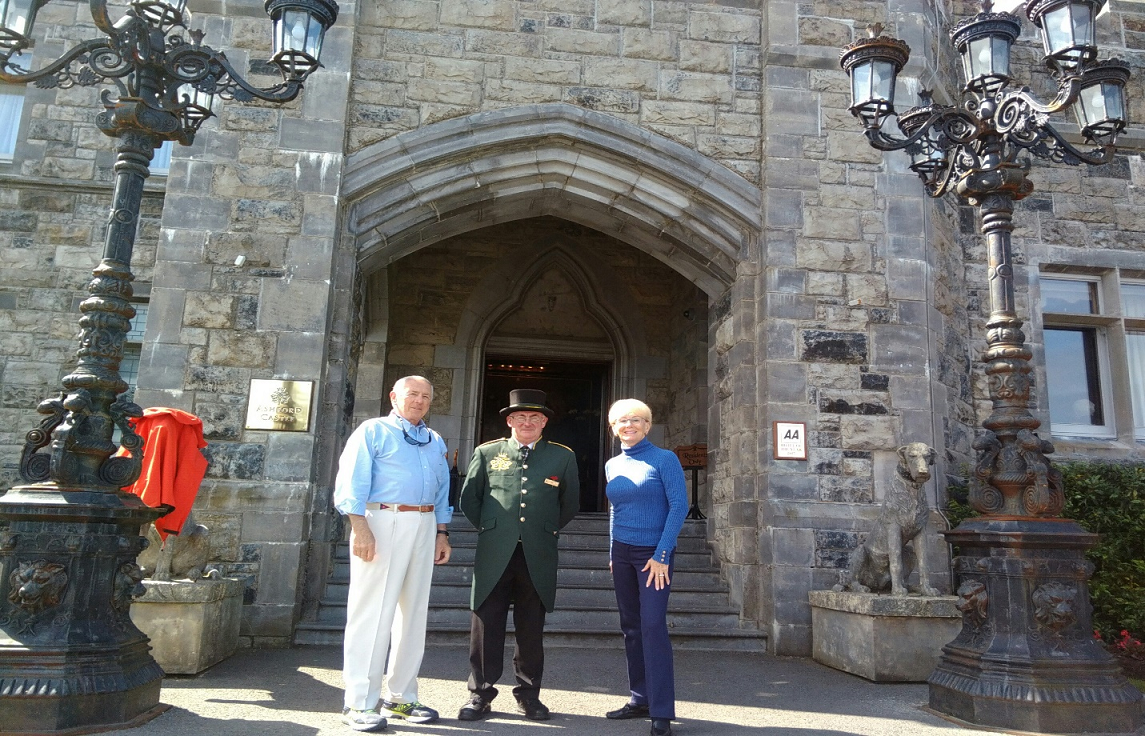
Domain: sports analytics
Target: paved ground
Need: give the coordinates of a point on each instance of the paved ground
(298, 692)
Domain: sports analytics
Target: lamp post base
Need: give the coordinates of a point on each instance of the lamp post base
(1026, 658)
(70, 657)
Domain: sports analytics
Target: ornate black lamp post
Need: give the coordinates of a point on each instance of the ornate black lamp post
(1025, 658)
(70, 658)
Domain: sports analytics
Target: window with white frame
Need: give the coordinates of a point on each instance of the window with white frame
(1133, 306)
(1093, 330)
(11, 108)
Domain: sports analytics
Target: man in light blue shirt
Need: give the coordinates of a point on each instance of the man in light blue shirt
(393, 486)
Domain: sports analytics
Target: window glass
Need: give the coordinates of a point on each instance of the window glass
(1074, 377)
(1069, 296)
(132, 350)
(161, 161)
(11, 106)
(1135, 344)
(1133, 299)
(138, 324)
(129, 369)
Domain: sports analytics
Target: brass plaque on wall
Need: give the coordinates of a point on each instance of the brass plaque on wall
(283, 406)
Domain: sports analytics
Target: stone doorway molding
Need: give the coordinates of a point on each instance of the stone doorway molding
(420, 187)
(503, 291)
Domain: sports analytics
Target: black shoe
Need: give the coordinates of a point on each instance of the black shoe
(630, 710)
(661, 727)
(533, 709)
(476, 709)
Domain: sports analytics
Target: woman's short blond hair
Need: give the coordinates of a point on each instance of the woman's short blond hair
(629, 406)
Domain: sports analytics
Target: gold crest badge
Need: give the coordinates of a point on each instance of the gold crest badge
(501, 462)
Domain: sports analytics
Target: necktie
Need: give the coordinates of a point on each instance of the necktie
(524, 453)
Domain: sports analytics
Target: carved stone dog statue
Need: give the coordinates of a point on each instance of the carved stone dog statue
(184, 555)
(884, 561)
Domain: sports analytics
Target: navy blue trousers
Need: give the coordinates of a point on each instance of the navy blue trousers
(644, 621)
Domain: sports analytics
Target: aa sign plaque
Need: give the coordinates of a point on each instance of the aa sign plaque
(282, 406)
(789, 440)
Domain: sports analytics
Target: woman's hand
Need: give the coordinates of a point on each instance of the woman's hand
(657, 574)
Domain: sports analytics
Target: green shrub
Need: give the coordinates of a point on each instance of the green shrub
(1110, 500)
(1107, 499)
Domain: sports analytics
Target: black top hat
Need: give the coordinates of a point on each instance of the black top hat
(527, 399)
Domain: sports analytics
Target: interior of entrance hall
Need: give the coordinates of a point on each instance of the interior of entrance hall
(542, 303)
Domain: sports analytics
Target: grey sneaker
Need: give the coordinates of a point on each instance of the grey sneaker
(412, 712)
(363, 720)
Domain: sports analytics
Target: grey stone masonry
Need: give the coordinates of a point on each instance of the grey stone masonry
(674, 189)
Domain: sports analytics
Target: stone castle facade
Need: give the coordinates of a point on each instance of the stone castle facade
(671, 192)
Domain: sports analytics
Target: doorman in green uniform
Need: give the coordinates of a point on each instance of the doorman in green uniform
(519, 492)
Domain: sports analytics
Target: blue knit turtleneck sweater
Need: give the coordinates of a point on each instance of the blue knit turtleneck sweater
(648, 495)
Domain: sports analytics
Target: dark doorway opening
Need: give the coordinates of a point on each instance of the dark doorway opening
(576, 393)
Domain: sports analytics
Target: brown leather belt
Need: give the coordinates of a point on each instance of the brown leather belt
(424, 509)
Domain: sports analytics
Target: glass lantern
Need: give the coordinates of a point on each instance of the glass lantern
(873, 65)
(984, 43)
(299, 28)
(928, 157)
(1100, 107)
(194, 105)
(162, 14)
(1067, 28)
(16, 19)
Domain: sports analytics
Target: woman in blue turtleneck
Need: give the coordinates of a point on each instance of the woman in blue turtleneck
(649, 501)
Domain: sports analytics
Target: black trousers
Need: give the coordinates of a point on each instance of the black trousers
(487, 633)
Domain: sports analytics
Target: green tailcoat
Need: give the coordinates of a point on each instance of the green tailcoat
(509, 501)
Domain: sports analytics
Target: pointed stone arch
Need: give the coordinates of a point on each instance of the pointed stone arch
(420, 187)
(504, 290)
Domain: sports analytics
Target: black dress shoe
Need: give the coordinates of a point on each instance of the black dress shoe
(630, 710)
(533, 709)
(661, 727)
(476, 709)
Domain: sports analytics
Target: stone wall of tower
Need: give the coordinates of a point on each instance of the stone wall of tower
(858, 309)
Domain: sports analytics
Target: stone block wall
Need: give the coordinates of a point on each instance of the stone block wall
(688, 71)
(55, 198)
(861, 311)
(260, 181)
(859, 287)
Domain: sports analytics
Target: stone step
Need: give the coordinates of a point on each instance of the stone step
(740, 640)
(700, 615)
(583, 540)
(705, 598)
(585, 617)
(682, 579)
(569, 558)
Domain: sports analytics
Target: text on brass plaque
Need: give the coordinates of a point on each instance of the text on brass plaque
(279, 405)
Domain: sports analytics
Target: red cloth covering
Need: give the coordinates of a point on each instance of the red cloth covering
(173, 464)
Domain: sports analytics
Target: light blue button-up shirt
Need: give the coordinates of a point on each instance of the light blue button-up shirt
(378, 465)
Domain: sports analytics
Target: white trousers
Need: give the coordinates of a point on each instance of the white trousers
(387, 609)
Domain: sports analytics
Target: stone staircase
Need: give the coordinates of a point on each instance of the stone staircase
(700, 615)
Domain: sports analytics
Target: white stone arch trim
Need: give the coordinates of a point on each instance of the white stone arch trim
(425, 185)
(503, 290)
